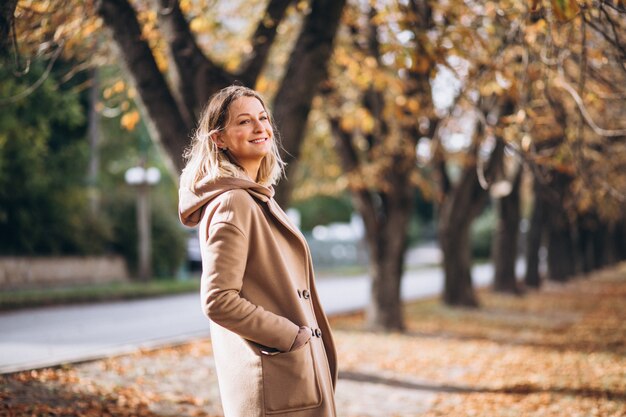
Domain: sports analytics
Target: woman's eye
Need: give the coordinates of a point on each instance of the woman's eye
(244, 121)
(264, 118)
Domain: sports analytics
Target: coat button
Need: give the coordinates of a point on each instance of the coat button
(306, 294)
(318, 333)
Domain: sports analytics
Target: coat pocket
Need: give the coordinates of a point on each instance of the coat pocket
(290, 381)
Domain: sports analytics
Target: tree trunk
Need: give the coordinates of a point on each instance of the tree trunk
(585, 244)
(306, 69)
(164, 119)
(504, 249)
(619, 240)
(462, 203)
(611, 253)
(93, 133)
(534, 238)
(560, 248)
(386, 217)
(454, 240)
(7, 12)
(387, 255)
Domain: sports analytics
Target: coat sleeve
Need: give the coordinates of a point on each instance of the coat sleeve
(222, 278)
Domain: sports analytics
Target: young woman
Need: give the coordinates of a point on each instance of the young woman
(274, 352)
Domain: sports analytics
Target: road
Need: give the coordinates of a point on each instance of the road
(41, 337)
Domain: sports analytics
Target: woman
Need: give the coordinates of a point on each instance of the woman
(274, 353)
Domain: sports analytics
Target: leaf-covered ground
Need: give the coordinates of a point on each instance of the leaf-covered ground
(557, 352)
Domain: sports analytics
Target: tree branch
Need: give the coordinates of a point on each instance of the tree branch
(186, 57)
(166, 124)
(31, 88)
(350, 165)
(7, 12)
(615, 42)
(262, 41)
(307, 67)
(561, 83)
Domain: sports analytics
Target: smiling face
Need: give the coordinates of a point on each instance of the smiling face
(248, 134)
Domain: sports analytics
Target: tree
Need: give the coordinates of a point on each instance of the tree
(504, 250)
(577, 164)
(372, 109)
(41, 197)
(172, 103)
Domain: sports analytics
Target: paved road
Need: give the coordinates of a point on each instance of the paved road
(50, 336)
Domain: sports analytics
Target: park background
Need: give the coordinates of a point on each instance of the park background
(416, 133)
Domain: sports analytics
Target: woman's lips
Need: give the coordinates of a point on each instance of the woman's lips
(260, 140)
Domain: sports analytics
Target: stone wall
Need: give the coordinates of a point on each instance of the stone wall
(49, 272)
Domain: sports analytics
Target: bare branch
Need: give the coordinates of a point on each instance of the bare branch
(561, 83)
(30, 89)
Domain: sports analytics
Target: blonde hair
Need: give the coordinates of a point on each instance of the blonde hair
(204, 158)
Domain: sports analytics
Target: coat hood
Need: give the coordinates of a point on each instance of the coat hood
(192, 200)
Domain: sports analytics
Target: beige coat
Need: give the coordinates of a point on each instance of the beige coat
(258, 289)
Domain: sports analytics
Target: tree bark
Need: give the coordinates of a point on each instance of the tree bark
(463, 202)
(534, 238)
(166, 123)
(560, 252)
(454, 239)
(93, 133)
(584, 245)
(504, 249)
(387, 251)
(561, 247)
(457, 212)
(7, 12)
(305, 70)
(262, 41)
(619, 240)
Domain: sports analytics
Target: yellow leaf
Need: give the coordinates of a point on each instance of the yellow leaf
(302, 5)
(129, 120)
(185, 6)
(347, 123)
(413, 105)
(565, 9)
(200, 24)
(119, 86)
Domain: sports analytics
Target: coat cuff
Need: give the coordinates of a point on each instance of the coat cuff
(289, 339)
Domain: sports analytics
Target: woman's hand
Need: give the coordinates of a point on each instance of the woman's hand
(304, 335)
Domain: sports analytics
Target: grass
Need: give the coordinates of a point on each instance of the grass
(11, 300)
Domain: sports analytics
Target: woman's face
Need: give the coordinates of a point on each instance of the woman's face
(248, 134)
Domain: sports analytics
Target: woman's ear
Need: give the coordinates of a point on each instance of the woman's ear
(218, 140)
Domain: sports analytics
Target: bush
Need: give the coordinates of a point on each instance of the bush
(323, 210)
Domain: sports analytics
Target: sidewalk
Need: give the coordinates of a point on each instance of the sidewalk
(50, 336)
